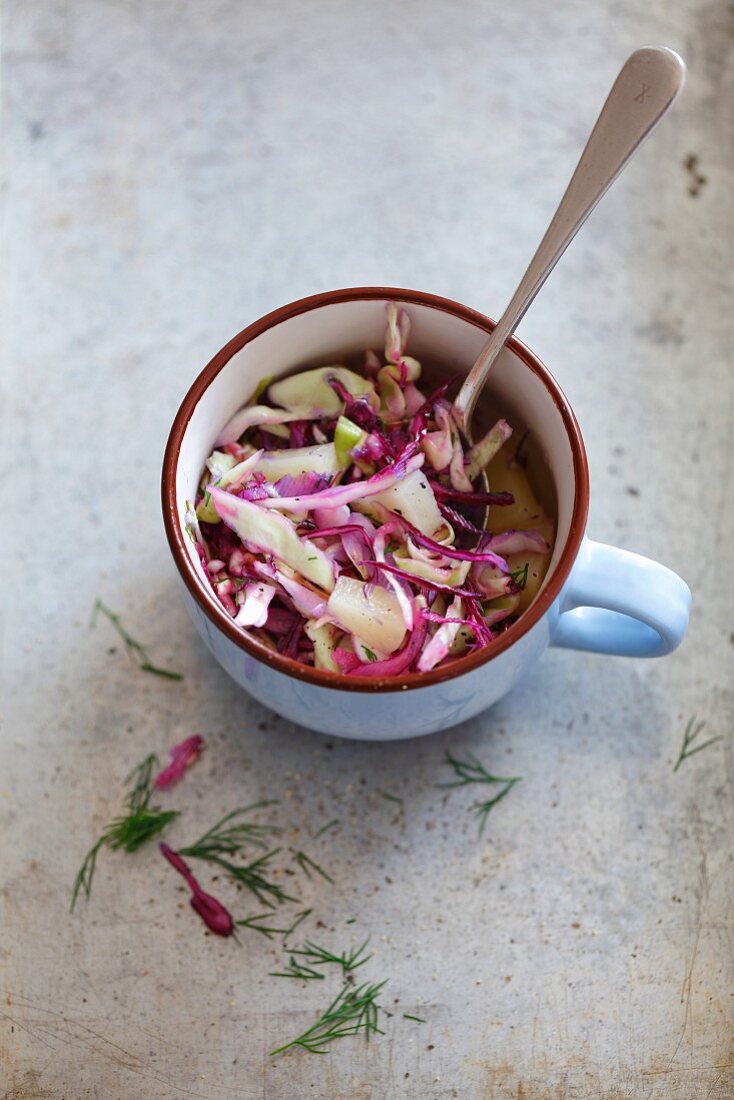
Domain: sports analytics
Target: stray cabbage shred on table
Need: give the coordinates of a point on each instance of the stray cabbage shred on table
(330, 521)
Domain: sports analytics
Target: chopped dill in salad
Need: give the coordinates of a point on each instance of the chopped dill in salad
(330, 522)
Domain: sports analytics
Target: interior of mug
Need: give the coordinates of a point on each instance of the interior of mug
(336, 330)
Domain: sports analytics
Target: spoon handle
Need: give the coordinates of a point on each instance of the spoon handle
(644, 90)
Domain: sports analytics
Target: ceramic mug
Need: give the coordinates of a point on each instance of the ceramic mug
(594, 597)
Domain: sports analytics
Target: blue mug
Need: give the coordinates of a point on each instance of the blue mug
(594, 597)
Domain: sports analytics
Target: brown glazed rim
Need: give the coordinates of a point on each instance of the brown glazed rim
(176, 535)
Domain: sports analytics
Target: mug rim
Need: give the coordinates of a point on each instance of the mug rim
(336, 680)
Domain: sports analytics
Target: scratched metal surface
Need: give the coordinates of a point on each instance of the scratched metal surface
(172, 171)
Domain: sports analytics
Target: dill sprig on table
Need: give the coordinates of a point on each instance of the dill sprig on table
(229, 837)
(307, 865)
(390, 797)
(353, 1011)
(296, 969)
(472, 770)
(483, 809)
(258, 924)
(325, 828)
(692, 730)
(314, 955)
(230, 834)
(250, 875)
(129, 832)
(135, 650)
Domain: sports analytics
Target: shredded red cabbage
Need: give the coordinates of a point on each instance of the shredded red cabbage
(362, 556)
(443, 492)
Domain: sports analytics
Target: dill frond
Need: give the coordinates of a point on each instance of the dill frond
(137, 652)
(353, 1011)
(692, 731)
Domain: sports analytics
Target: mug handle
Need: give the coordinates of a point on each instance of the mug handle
(621, 603)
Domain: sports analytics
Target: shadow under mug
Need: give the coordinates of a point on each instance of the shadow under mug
(594, 597)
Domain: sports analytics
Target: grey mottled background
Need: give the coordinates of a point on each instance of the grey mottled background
(171, 171)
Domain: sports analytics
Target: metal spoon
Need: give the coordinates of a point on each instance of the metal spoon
(642, 93)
